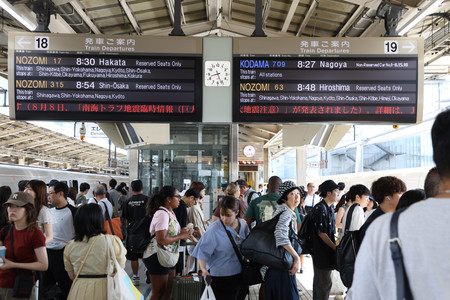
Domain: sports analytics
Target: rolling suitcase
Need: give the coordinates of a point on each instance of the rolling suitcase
(187, 287)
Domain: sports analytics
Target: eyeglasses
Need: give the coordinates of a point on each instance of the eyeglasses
(238, 239)
(177, 196)
(51, 193)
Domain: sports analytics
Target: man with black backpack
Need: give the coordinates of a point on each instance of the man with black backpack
(133, 210)
(358, 196)
(248, 193)
(324, 245)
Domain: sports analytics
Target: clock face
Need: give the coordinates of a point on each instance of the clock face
(217, 73)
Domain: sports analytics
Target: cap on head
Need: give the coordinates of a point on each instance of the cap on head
(327, 186)
(20, 199)
(286, 186)
(52, 182)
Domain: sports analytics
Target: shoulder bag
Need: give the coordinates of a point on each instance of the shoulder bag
(403, 287)
(347, 249)
(23, 284)
(167, 254)
(112, 226)
(251, 273)
(260, 246)
(119, 283)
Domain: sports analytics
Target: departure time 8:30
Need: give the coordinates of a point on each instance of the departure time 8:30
(85, 61)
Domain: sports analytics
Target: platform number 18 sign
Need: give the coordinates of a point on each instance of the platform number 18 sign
(41, 42)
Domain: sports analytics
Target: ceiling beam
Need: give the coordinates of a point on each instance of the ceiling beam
(351, 21)
(250, 133)
(129, 13)
(256, 132)
(77, 6)
(290, 15)
(276, 139)
(266, 12)
(14, 141)
(308, 15)
(171, 9)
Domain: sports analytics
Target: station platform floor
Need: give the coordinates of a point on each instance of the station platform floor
(304, 283)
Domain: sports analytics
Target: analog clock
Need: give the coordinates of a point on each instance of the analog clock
(217, 73)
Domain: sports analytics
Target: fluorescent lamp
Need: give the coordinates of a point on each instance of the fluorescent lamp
(420, 16)
(4, 4)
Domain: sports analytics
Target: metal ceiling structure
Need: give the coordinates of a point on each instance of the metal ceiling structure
(280, 18)
(26, 144)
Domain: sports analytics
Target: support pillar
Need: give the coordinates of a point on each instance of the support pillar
(301, 156)
(234, 151)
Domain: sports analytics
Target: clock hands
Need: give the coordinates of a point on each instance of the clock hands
(218, 75)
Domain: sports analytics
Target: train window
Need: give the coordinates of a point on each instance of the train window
(74, 183)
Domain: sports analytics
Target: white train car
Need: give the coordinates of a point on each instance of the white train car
(413, 177)
(10, 175)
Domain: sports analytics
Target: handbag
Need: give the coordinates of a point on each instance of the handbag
(260, 246)
(119, 283)
(112, 226)
(23, 284)
(166, 257)
(251, 273)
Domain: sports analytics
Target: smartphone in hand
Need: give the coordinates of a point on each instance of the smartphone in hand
(208, 280)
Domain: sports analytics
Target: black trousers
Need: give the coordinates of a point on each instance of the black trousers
(55, 274)
(228, 287)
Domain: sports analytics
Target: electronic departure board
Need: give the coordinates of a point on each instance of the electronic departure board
(334, 79)
(105, 78)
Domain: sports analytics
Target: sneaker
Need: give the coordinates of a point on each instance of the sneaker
(301, 271)
(135, 279)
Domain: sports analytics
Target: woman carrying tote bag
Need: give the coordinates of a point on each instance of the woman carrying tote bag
(166, 234)
(85, 258)
(25, 248)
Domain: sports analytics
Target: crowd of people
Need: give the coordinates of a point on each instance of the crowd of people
(61, 239)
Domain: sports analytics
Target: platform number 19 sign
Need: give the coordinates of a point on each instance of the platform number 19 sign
(390, 47)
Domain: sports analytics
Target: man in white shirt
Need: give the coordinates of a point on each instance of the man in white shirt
(358, 194)
(63, 231)
(100, 199)
(311, 198)
(422, 228)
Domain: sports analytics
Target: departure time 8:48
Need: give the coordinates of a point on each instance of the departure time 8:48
(310, 87)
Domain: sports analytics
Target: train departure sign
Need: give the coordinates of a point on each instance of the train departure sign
(327, 79)
(105, 78)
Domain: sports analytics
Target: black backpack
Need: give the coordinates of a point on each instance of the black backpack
(138, 235)
(249, 198)
(347, 250)
(305, 235)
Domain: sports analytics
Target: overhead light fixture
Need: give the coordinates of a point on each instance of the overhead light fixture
(425, 11)
(30, 25)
